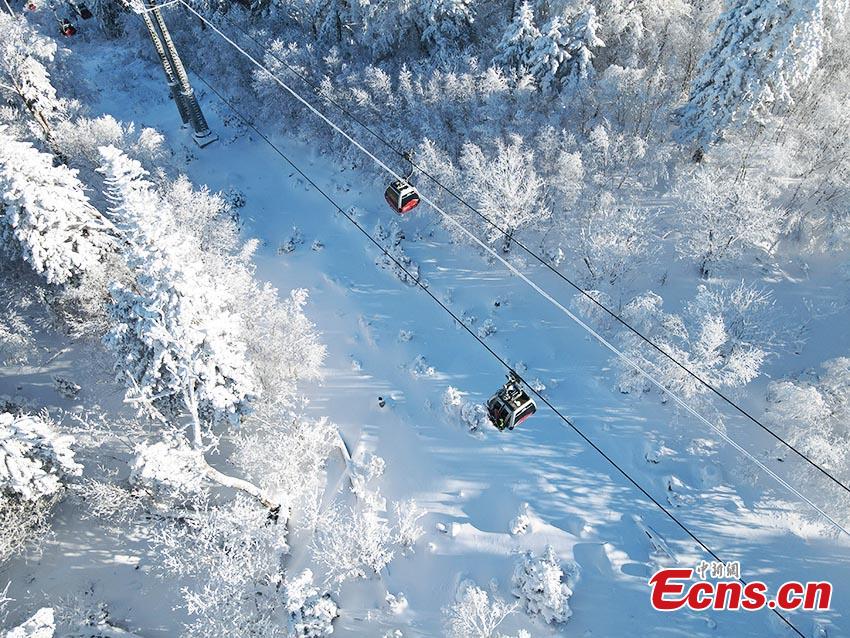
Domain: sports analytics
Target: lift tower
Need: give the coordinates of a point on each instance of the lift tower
(176, 76)
(166, 66)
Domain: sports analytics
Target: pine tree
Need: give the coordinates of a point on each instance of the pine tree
(173, 338)
(176, 344)
(23, 55)
(447, 23)
(550, 55)
(762, 51)
(388, 26)
(34, 457)
(45, 215)
(542, 586)
(515, 49)
(583, 39)
(564, 50)
(333, 22)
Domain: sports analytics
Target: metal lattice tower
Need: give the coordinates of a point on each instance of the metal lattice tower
(178, 79)
(166, 67)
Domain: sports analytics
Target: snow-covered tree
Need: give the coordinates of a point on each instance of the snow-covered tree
(45, 214)
(724, 336)
(763, 50)
(514, 50)
(471, 413)
(542, 586)
(391, 27)
(447, 23)
(814, 413)
(24, 52)
(359, 541)
(285, 453)
(173, 337)
(637, 31)
(568, 173)
(474, 615)
(17, 337)
(334, 21)
(311, 614)
(23, 524)
(281, 342)
(230, 557)
(108, 15)
(352, 542)
(722, 220)
(176, 343)
(80, 140)
(169, 469)
(614, 240)
(548, 60)
(363, 474)
(584, 39)
(408, 530)
(356, 541)
(564, 49)
(35, 459)
(505, 188)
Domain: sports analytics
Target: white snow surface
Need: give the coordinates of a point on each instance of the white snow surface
(471, 486)
(41, 625)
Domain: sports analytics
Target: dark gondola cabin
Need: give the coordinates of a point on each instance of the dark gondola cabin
(511, 405)
(401, 196)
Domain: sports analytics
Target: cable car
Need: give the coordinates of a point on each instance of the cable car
(31, 6)
(66, 28)
(401, 196)
(511, 405)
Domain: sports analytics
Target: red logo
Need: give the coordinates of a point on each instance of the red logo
(675, 588)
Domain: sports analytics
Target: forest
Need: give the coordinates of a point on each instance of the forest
(639, 207)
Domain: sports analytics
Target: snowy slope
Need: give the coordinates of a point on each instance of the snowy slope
(388, 339)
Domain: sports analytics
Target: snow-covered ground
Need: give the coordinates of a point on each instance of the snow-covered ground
(387, 339)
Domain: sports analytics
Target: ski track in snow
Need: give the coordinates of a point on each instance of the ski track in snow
(472, 485)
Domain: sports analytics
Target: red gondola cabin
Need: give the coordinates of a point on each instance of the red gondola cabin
(401, 196)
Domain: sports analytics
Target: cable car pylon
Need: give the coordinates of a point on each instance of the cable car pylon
(173, 86)
(176, 76)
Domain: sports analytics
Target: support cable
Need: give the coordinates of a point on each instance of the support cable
(510, 237)
(452, 220)
(480, 341)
